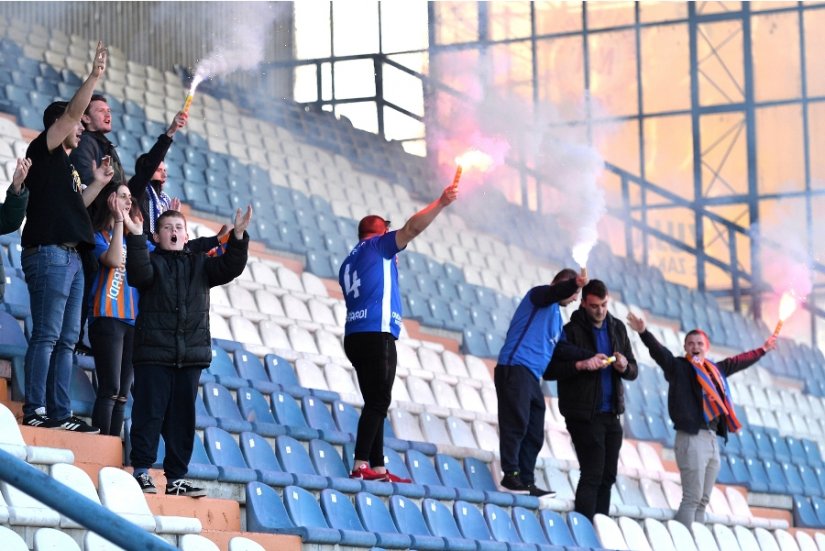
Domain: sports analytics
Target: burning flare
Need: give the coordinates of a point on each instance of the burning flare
(787, 306)
(197, 79)
(472, 158)
(580, 253)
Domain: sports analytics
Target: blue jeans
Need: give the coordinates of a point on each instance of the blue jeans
(54, 277)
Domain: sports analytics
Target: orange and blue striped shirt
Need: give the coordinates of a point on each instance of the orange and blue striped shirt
(111, 296)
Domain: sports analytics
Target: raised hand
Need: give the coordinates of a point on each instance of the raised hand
(242, 221)
(111, 202)
(175, 204)
(581, 278)
(636, 323)
(133, 221)
(20, 173)
(103, 173)
(177, 123)
(449, 195)
(99, 64)
(770, 344)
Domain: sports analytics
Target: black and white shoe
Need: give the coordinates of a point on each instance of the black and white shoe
(36, 419)
(183, 487)
(72, 423)
(147, 485)
(512, 482)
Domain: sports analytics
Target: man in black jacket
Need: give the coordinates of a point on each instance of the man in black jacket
(698, 401)
(591, 399)
(172, 341)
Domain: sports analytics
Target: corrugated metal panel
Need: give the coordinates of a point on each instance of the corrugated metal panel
(165, 34)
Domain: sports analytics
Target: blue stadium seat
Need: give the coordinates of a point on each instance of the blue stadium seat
(396, 465)
(295, 459)
(377, 519)
(225, 454)
(636, 427)
(223, 371)
(304, 511)
(249, 367)
(328, 463)
(582, 531)
(812, 452)
(260, 456)
(475, 343)
(423, 472)
(473, 526)
(452, 474)
(739, 469)
(202, 417)
(776, 477)
(221, 405)
(758, 476)
(13, 343)
(819, 507)
(503, 528)
(793, 479)
(287, 412)
(70, 77)
(265, 512)
(529, 530)
(725, 475)
(16, 299)
(764, 447)
(810, 480)
(320, 418)
(804, 515)
(341, 515)
(409, 520)
(481, 478)
(319, 264)
(441, 523)
(658, 430)
(346, 417)
(255, 409)
(282, 372)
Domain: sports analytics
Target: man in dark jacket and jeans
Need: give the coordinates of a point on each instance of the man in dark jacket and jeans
(699, 404)
(591, 400)
(172, 341)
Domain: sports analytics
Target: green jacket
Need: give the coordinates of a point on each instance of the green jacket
(12, 212)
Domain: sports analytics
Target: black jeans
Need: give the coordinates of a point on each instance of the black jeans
(597, 444)
(111, 341)
(521, 410)
(164, 404)
(374, 358)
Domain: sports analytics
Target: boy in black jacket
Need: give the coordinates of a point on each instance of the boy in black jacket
(591, 400)
(172, 340)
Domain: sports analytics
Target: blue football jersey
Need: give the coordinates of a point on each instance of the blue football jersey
(369, 279)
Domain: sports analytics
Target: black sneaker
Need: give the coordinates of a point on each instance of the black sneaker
(512, 482)
(539, 492)
(147, 485)
(183, 487)
(73, 424)
(36, 420)
(82, 350)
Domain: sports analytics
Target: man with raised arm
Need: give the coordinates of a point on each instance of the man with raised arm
(57, 227)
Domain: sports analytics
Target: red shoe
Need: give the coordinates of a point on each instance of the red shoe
(395, 478)
(365, 473)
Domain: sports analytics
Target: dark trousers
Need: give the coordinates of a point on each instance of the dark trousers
(374, 358)
(597, 444)
(164, 405)
(521, 410)
(111, 341)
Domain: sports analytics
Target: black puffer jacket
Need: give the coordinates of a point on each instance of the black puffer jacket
(172, 326)
(580, 391)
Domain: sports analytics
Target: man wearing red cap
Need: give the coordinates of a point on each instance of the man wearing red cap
(369, 279)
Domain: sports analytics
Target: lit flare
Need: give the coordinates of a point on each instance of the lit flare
(472, 158)
(191, 94)
(787, 306)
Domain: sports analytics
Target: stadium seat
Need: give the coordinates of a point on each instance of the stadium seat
(473, 526)
(196, 542)
(223, 370)
(265, 512)
(609, 533)
(328, 463)
(254, 408)
(503, 529)
(295, 459)
(287, 412)
(409, 520)
(320, 418)
(260, 456)
(200, 466)
(442, 523)
(451, 473)
(423, 472)
(725, 538)
(634, 536)
(376, 518)
(660, 539)
(10, 541)
(251, 369)
(49, 539)
(341, 515)
(223, 408)
(224, 453)
(680, 534)
(305, 511)
(582, 530)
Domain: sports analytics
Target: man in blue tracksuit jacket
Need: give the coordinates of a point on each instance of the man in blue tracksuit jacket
(535, 334)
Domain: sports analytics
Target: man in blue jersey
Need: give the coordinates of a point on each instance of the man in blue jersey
(534, 337)
(369, 279)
